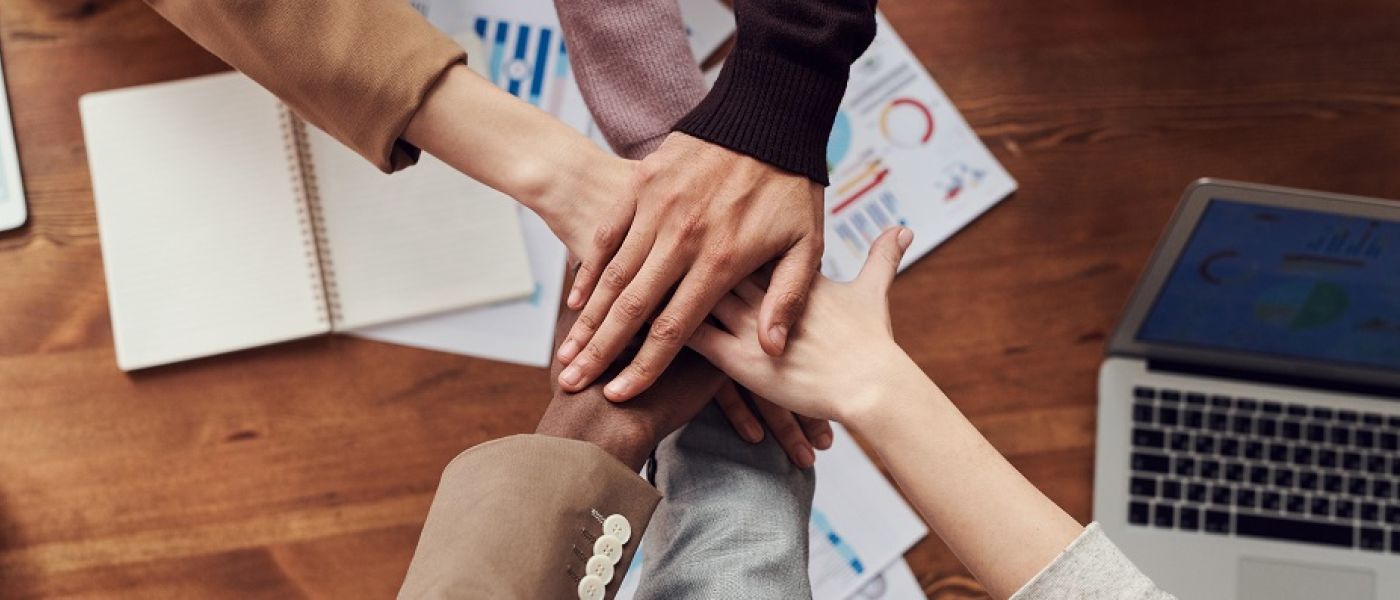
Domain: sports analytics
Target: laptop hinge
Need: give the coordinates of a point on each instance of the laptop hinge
(1301, 381)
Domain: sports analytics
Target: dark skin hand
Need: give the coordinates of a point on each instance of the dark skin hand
(632, 430)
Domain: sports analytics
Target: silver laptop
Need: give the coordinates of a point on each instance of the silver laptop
(1249, 407)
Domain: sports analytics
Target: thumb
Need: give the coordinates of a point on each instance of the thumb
(882, 263)
(786, 297)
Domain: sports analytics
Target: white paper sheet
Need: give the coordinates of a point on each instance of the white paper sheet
(900, 153)
(897, 582)
(860, 527)
(708, 23)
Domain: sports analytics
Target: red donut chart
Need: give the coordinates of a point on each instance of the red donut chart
(910, 103)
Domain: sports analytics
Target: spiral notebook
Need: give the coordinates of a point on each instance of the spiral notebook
(227, 223)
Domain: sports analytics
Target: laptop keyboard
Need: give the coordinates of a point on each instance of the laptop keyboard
(1254, 468)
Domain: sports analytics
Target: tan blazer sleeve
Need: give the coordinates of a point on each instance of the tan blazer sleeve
(358, 69)
(513, 518)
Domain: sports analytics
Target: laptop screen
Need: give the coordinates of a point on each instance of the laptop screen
(1284, 282)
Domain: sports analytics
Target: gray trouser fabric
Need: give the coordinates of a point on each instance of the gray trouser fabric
(733, 519)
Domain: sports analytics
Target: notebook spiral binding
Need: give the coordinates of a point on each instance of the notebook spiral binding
(313, 224)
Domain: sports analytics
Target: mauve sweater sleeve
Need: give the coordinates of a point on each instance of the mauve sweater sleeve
(634, 67)
(779, 90)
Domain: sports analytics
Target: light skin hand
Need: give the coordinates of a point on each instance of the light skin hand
(798, 436)
(845, 337)
(583, 193)
(842, 363)
(706, 217)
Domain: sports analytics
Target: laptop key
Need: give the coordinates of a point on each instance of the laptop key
(1341, 436)
(1144, 393)
(1171, 489)
(1142, 486)
(1196, 492)
(1278, 453)
(1316, 432)
(1242, 424)
(1389, 440)
(1291, 430)
(1321, 506)
(1302, 455)
(1276, 528)
(1375, 463)
(1270, 407)
(1221, 401)
(1351, 461)
(1245, 497)
(1180, 440)
(1169, 395)
(1392, 514)
(1253, 450)
(1381, 488)
(1364, 439)
(1344, 509)
(1164, 515)
(1229, 447)
(1149, 438)
(1218, 421)
(1217, 521)
(1395, 540)
(1137, 513)
(1369, 511)
(1185, 466)
(1266, 427)
(1221, 494)
(1358, 486)
(1269, 500)
(1209, 468)
(1372, 419)
(1347, 416)
(1205, 443)
(1259, 475)
(1322, 413)
(1190, 518)
(1150, 463)
(1142, 413)
(1297, 410)
(1195, 398)
(1372, 539)
(1283, 477)
(1307, 480)
(1326, 458)
(1192, 419)
(1168, 415)
(1332, 483)
(1296, 504)
(1248, 404)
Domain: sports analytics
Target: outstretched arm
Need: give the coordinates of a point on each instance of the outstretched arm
(1002, 527)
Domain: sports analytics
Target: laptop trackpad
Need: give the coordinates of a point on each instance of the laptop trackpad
(1261, 579)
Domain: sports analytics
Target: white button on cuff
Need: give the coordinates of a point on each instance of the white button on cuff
(618, 527)
(608, 546)
(591, 588)
(599, 566)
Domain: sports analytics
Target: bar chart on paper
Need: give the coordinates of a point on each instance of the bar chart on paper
(901, 154)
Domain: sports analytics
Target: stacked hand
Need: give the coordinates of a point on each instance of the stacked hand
(705, 218)
(839, 333)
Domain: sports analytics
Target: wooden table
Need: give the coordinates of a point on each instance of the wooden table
(306, 469)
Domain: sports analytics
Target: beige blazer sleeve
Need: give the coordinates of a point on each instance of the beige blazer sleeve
(358, 69)
(513, 518)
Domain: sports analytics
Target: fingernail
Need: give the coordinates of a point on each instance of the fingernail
(824, 440)
(905, 237)
(574, 298)
(617, 388)
(568, 350)
(778, 335)
(753, 434)
(806, 457)
(571, 375)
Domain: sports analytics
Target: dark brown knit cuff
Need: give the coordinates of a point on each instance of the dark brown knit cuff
(771, 109)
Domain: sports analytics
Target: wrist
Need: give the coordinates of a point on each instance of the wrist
(628, 440)
(898, 381)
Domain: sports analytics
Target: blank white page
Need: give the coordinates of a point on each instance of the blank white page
(424, 240)
(202, 240)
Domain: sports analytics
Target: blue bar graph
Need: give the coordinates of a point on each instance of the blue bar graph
(521, 57)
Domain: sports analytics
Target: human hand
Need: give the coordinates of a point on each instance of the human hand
(630, 431)
(798, 436)
(842, 347)
(706, 218)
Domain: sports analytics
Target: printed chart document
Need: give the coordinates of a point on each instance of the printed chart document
(900, 154)
(859, 531)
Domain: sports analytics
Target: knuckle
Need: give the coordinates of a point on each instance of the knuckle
(667, 329)
(614, 276)
(790, 303)
(630, 306)
(593, 354)
(723, 259)
(692, 225)
(640, 370)
(588, 322)
(606, 237)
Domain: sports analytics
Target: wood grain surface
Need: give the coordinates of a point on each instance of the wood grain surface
(306, 469)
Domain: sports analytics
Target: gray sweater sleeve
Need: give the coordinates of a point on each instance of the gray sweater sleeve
(1091, 567)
